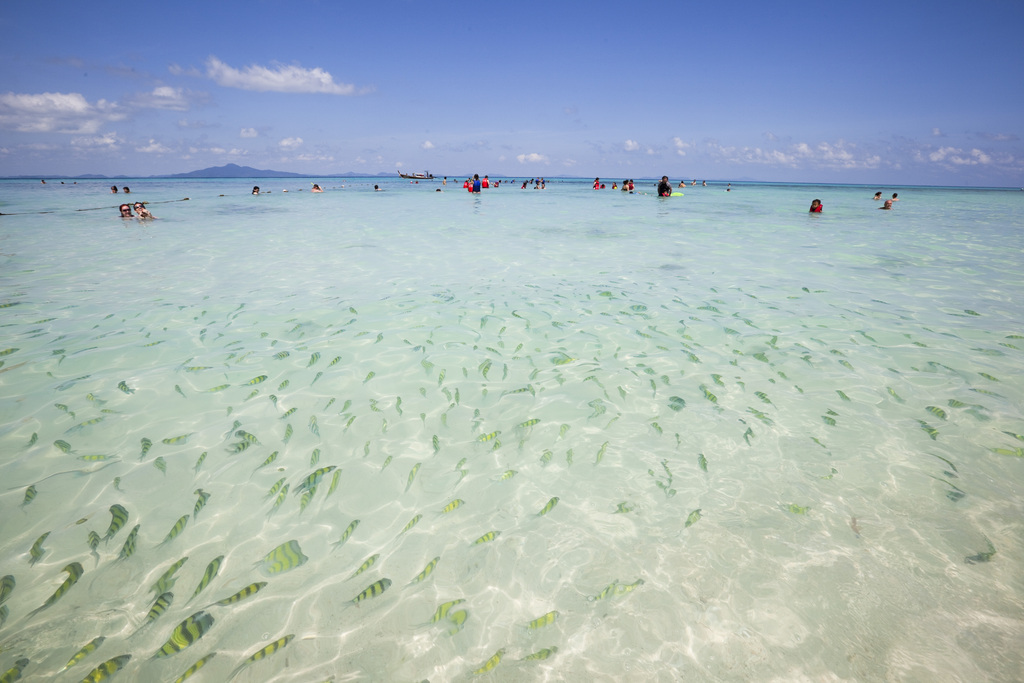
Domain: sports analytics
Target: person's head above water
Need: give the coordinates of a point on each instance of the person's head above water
(126, 210)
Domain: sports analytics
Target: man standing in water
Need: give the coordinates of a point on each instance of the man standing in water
(664, 187)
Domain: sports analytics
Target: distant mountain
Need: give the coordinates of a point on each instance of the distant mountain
(228, 171)
(235, 171)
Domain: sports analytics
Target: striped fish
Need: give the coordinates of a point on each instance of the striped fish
(263, 652)
(284, 557)
(74, 571)
(543, 621)
(372, 591)
(248, 591)
(160, 605)
(119, 517)
(208, 575)
(348, 532)
(107, 669)
(548, 507)
(200, 502)
(189, 672)
(128, 549)
(370, 561)
(422, 576)
(491, 663)
(88, 649)
(185, 633)
(178, 527)
(166, 581)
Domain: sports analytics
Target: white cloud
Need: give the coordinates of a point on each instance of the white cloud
(999, 137)
(314, 157)
(680, 146)
(248, 133)
(532, 158)
(109, 141)
(198, 124)
(162, 97)
(957, 156)
(178, 70)
(55, 112)
(290, 143)
(631, 145)
(937, 133)
(427, 144)
(281, 78)
(153, 147)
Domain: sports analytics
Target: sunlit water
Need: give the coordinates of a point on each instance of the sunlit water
(784, 447)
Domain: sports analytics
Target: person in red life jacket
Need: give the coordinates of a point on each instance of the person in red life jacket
(631, 186)
(597, 183)
(465, 185)
(485, 183)
(664, 187)
(816, 206)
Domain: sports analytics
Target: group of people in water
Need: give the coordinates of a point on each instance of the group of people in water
(140, 211)
(126, 209)
(476, 184)
(817, 206)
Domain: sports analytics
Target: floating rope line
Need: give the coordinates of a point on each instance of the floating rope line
(97, 208)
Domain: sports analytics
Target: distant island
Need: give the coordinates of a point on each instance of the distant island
(226, 171)
(235, 171)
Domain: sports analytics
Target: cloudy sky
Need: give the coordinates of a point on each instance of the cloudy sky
(902, 92)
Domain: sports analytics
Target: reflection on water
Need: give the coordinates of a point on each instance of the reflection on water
(526, 434)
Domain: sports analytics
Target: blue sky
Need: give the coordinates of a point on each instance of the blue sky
(871, 92)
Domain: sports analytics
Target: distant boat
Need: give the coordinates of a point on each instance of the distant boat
(416, 176)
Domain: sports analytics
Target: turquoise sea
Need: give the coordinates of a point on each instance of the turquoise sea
(716, 438)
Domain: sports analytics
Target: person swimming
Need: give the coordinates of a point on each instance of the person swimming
(126, 211)
(816, 206)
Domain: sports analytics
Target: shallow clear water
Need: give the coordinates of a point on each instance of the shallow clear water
(838, 395)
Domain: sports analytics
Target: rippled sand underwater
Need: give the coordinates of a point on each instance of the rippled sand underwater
(603, 477)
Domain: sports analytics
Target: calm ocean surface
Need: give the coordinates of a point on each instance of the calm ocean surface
(717, 438)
